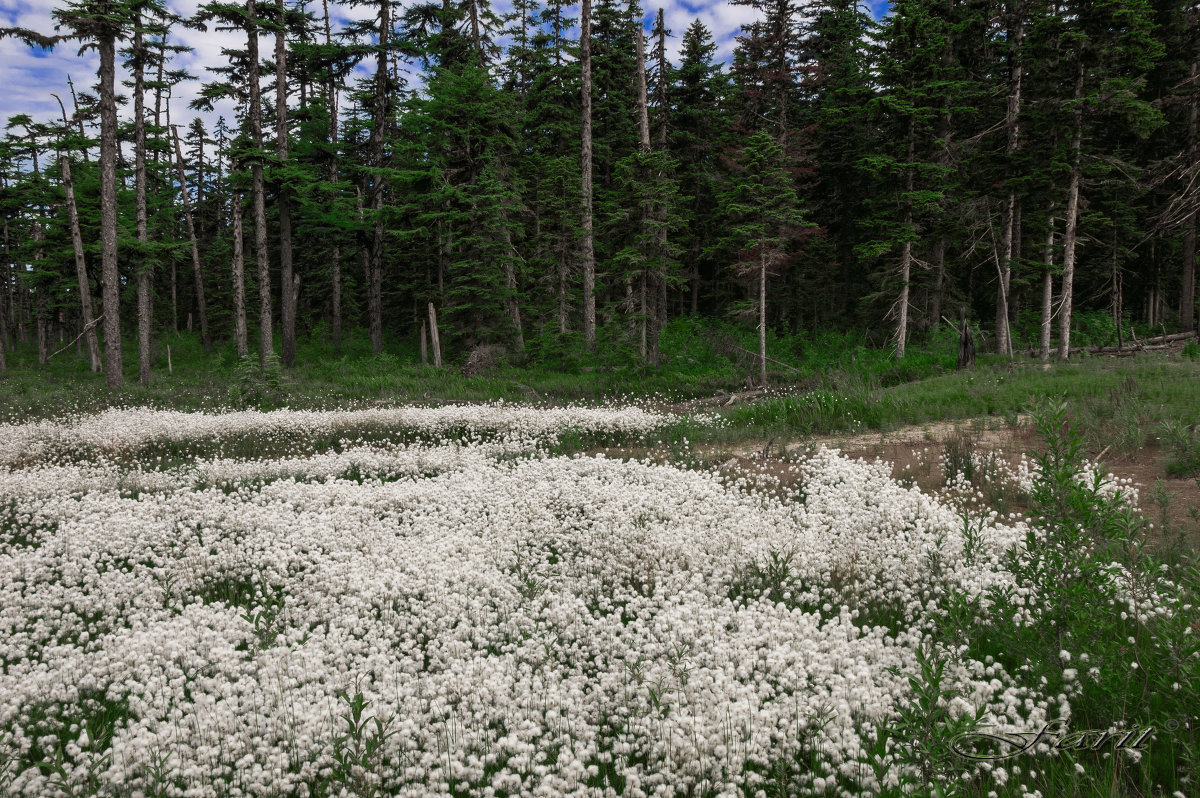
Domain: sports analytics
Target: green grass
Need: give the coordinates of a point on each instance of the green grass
(1151, 390)
(830, 382)
(699, 358)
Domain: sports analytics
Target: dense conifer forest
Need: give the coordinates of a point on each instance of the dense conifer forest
(550, 181)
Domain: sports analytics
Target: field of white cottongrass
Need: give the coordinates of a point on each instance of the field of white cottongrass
(427, 601)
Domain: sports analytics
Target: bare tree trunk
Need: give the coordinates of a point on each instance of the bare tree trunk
(43, 333)
(1187, 298)
(5, 293)
(939, 279)
(364, 254)
(643, 112)
(902, 304)
(906, 250)
(89, 329)
(336, 266)
(336, 277)
(588, 250)
(43, 327)
(266, 330)
(1047, 288)
(641, 313)
(85, 291)
(643, 115)
(510, 282)
(287, 304)
(1069, 233)
(433, 332)
(241, 337)
(1011, 211)
(660, 85)
(143, 263)
(562, 293)
(1118, 309)
(378, 132)
(197, 272)
(78, 116)
(762, 316)
(110, 279)
(1152, 294)
(374, 282)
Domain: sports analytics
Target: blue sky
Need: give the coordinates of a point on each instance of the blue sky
(29, 75)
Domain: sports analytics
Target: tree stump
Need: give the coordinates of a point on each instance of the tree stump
(966, 347)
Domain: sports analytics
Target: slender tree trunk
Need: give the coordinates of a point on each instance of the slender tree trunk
(1118, 309)
(110, 279)
(1069, 232)
(1187, 298)
(906, 249)
(378, 184)
(261, 253)
(762, 316)
(433, 333)
(336, 266)
(1047, 288)
(5, 292)
(510, 282)
(643, 111)
(158, 92)
(197, 272)
(8, 294)
(643, 115)
(939, 279)
(85, 291)
(43, 332)
(588, 250)
(78, 116)
(364, 253)
(1011, 210)
(240, 335)
(660, 85)
(287, 304)
(562, 293)
(641, 311)
(143, 263)
(23, 311)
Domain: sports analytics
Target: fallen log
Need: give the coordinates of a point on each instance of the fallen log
(1148, 345)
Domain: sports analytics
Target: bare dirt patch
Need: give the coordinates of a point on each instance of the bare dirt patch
(917, 456)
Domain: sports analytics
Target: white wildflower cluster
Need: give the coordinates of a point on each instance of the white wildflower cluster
(992, 469)
(515, 622)
(121, 430)
(1111, 486)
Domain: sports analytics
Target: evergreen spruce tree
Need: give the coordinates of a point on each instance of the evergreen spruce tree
(761, 210)
(700, 125)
